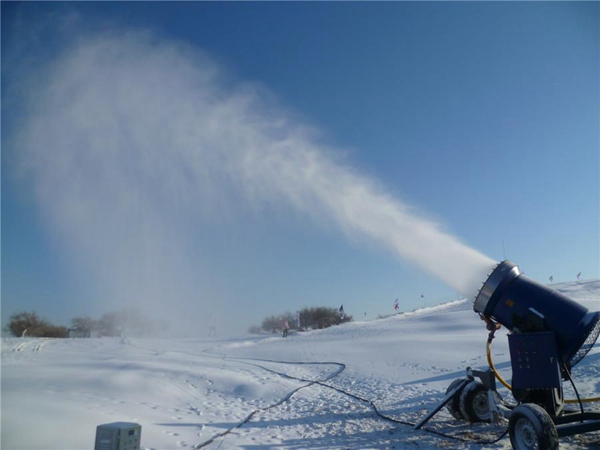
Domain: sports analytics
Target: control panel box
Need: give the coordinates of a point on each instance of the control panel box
(118, 436)
(534, 360)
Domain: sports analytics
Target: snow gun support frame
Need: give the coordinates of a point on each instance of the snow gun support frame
(549, 334)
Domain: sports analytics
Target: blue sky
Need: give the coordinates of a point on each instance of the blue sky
(482, 117)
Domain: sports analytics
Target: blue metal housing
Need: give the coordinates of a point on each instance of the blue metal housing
(523, 305)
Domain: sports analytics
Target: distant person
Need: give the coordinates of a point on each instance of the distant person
(342, 313)
(298, 319)
(286, 327)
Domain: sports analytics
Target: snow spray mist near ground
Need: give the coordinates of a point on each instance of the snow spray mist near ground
(132, 144)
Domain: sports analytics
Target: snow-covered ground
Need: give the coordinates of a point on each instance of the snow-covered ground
(359, 385)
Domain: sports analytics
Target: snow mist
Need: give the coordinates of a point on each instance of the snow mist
(131, 143)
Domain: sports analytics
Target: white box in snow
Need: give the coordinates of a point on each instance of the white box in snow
(118, 436)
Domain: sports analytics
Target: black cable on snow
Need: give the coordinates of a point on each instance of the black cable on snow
(249, 417)
(322, 383)
(403, 422)
(341, 366)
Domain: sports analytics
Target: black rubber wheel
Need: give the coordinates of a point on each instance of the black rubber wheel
(473, 402)
(453, 406)
(531, 428)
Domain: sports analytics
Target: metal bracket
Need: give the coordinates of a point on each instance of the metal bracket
(443, 403)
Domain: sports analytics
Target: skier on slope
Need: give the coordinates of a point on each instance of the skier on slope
(285, 326)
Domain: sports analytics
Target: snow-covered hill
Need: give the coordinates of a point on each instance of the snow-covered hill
(359, 385)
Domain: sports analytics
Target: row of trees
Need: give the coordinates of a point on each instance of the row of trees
(310, 318)
(27, 323)
(132, 322)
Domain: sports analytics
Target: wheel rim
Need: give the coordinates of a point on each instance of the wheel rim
(480, 406)
(525, 435)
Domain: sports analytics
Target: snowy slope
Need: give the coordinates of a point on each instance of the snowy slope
(359, 385)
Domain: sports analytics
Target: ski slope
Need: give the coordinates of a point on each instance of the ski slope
(361, 385)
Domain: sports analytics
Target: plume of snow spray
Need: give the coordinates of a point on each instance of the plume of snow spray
(131, 143)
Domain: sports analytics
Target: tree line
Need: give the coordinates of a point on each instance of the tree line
(132, 322)
(310, 318)
(28, 323)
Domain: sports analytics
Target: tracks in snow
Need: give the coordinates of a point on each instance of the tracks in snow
(33, 344)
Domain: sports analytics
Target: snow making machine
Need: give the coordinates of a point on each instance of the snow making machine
(548, 335)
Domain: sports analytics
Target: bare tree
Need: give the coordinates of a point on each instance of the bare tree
(23, 323)
(84, 324)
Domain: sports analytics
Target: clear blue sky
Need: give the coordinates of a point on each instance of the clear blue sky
(483, 116)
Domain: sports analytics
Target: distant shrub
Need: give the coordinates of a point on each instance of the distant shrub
(50, 331)
(310, 318)
(24, 323)
(30, 324)
(129, 321)
(321, 317)
(84, 325)
(271, 324)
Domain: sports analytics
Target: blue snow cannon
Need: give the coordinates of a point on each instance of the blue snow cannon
(549, 334)
(525, 306)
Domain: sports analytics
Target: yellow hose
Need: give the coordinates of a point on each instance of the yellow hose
(493, 367)
(509, 387)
